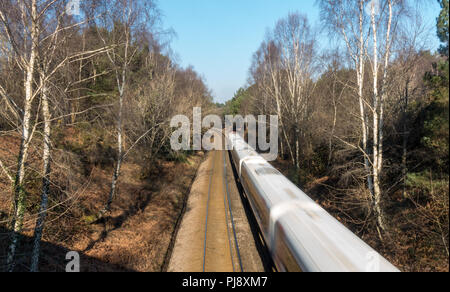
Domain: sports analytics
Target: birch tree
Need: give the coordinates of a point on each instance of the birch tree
(348, 19)
(384, 23)
(266, 74)
(367, 29)
(296, 43)
(120, 22)
(23, 37)
(283, 69)
(49, 61)
(37, 40)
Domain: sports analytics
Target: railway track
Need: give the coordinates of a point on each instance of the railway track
(221, 247)
(215, 235)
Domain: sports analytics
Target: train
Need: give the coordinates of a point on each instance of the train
(301, 236)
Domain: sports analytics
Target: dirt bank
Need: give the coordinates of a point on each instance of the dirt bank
(135, 236)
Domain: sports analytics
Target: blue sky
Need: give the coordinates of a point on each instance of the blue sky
(219, 37)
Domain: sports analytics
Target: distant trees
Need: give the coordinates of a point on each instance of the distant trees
(282, 71)
(236, 105)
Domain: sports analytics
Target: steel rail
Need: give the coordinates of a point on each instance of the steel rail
(228, 227)
(206, 220)
(227, 219)
(231, 214)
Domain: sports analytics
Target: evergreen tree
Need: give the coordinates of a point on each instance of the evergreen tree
(442, 27)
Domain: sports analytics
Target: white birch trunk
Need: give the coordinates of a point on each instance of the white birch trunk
(376, 129)
(121, 85)
(119, 154)
(19, 193)
(46, 177)
(363, 117)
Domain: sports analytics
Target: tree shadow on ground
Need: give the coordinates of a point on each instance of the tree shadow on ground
(109, 223)
(52, 259)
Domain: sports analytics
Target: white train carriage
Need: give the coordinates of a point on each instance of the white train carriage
(300, 234)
